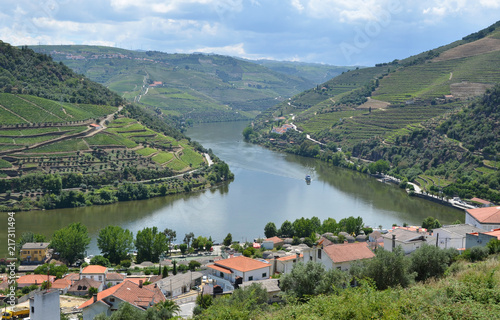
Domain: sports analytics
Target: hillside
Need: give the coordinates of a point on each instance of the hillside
(70, 151)
(193, 87)
(418, 114)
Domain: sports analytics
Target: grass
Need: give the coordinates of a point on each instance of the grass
(5, 164)
(146, 151)
(62, 146)
(192, 157)
(7, 117)
(177, 165)
(162, 157)
(27, 110)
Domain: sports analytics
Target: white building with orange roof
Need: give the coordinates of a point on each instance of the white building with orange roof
(94, 272)
(109, 300)
(339, 256)
(246, 268)
(484, 218)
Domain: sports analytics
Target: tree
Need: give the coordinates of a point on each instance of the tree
(228, 240)
(270, 230)
(93, 291)
(193, 264)
(165, 272)
(171, 236)
(100, 260)
(115, 243)
(167, 309)
(247, 132)
(183, 247)
(29, 237)
(52, 269)
(351, 225)
(286, 230)
(188, 237)
(431, 223)
(493, 245)
(208, 245)
(150, 244)
(174, 269)
(71, 242)
(430, 261)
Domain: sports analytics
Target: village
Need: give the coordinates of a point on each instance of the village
(96, 289)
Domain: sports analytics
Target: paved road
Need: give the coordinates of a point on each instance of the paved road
(187, 309)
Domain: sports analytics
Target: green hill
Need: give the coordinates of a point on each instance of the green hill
(67, 141)
(195, 87)
(418, 114)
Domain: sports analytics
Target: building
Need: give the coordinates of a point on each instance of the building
(45, 305)
(245, 268)
(453, 236)
(271, 243)
(339, 256)
(482, 203)
(285, 264)
(485, 218)
(114, 278)
(178, 284)
(82, 286)
(270, 285)
(109, 300)
(408, 240)
(34, 279)
(481, 239)
(34, 252)
(94, 272)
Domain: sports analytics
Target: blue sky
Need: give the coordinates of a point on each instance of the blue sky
(338, 32)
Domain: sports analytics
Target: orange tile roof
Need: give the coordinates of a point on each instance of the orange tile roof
(480, 201)
(131, 293)
(136, 280)
(486, 215)
(94, 269)
(114, 276)
(84, 285)
(72, 276)
(274, 239)
(30, 279)
(61, 284)
(348, 252)
(494, 233)
(290, 257)
(242, 264)
(213, 266)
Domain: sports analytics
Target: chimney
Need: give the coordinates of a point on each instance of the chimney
(94, 296)
(140, 283)
(393, 241)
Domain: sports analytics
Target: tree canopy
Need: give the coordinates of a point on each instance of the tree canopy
(115, 243)
(150, 243)
(71, 242)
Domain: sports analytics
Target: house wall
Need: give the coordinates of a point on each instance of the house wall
(268, 245)
(408, 247)
(471, 220)
(448, 239)
(45, 305)
(285, 266)
(477, 241)
(101, 277)
(36, 255)
(90, 312)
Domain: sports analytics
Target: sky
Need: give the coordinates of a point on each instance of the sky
(336, 32)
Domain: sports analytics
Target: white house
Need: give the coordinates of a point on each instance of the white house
(339, 256)
(454, 235)
(45, 305)
(246, 268)
(484, 218)
(94, 272)
(109, 300)
(270, 285)
(408, 240)
(271, 243)
(285, 264)
(175, 285)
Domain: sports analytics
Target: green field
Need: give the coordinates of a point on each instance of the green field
(62, 146)
(192, 157)
(162, 157)
(177, 165)
(146, 151)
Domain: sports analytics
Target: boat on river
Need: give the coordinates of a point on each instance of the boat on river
(308, 179)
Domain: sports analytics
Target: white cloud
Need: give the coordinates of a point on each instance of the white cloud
(352, 10)
(230, 50)
(100, 43)
(490, 3)
(297, 5)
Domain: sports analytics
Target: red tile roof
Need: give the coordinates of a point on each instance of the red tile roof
(274, 240)
(136, 280)
(348, 252)
(242, 264)
(30, 279)
(221, 269)
(84, 285)
(290, 257)
(61, 284)
(114, 276)
(94, 269)
(486, 215)
(131, 293)
(480, 201)
(494, 233)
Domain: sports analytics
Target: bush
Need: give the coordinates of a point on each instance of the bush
(476, 254)
(126, 263)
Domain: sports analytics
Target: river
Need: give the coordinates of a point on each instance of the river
(268, 186)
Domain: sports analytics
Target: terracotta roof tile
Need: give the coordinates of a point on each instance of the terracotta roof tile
(486, 215)
(348, 252)
(84, 285)
(290, 257)
(30, 279)
(274, 240)
(242, 264)
(94, 269)
(114, 276)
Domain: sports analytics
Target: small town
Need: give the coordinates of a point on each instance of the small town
(190, 276)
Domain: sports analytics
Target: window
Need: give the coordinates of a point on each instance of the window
(100, 278)
(319, 253)
(112, 299)
(250, 278)
(32, 309)
(221, 275)
(264, 275)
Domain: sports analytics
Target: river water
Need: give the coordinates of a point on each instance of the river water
(268, 186)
